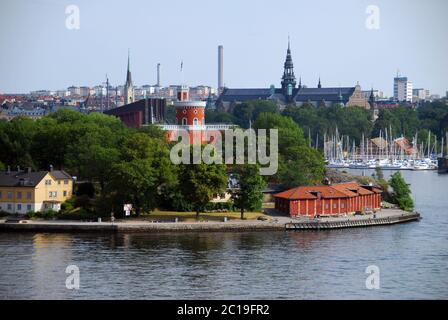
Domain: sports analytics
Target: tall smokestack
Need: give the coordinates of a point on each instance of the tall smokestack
(158, 74)
(220, 68)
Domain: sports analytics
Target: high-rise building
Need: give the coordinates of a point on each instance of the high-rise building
(402, 89)
(220, 68)
(128, 87)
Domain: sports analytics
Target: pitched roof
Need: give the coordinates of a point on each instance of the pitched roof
(311, 192)
(28, 179)
(327, 94)
(244, 94)
(352, 188)
(342, 190)
(60, 174)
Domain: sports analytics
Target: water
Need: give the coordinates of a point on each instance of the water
(412, 257)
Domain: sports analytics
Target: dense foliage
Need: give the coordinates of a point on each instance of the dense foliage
(350, 121)
(249, 194)
(401, 192)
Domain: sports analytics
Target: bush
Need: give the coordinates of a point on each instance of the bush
(3, 213)
(222, 206)
(402, 193)
(46, 214)
(68, 205)
(78, 214)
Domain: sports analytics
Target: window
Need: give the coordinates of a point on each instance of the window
(184, 121)
(195, 121)
(59, 181)
(65, 193)
(342, 205)
(52, 194)
(19, 207)
(9, 195)
(48, 182)
(28, 195)
(327, 206)
(335, 205)
(28, 207)
(65, 181)
(9, 206)
(19, 195)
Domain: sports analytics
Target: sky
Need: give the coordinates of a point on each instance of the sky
(329, 39)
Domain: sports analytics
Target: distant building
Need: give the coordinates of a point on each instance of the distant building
(402, 89)
(74, 91)
(84, 91)
(377, 94)
(420, 95)
(290, 94)
(140, 113)
(23, 191)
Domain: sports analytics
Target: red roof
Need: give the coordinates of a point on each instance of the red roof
(342, 190)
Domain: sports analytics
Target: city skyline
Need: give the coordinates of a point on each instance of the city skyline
(333, 44)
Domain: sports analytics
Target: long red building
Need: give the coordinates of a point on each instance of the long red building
(338, 199)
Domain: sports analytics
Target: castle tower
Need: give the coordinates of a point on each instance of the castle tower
(128, 87)
(189, 113)
(288, 78)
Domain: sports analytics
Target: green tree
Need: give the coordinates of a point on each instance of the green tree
(386, 121)
(215, 116)
(197, 183)
(143, 172)
(249, 195)
(249, 111)
(298, 163)
(401, 192)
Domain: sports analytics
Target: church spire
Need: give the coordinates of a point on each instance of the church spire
(128, 87)
(288, 78)
(128, 74)
(319, 85)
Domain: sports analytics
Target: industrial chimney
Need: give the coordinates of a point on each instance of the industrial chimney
(220, 68)
(158, 74)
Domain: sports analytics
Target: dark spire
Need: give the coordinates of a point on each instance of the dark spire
(300, 82)
(372, 96)
(288, 78)
(319, 84)
(128, 75)
(340, 98)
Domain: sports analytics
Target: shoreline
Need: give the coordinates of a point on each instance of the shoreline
(279, 223)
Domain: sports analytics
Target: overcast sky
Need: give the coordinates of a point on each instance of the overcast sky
(328, 39)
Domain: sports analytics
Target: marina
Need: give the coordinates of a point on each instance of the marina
(385, 153)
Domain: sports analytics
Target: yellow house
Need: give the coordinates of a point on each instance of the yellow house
(24, 191)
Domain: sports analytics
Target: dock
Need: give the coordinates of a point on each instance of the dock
(388, 217)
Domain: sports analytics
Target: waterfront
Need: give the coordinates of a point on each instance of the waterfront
(412, 257)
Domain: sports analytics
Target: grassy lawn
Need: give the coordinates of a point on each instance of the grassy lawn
(191, 216)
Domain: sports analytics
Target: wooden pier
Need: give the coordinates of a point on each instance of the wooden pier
(351, 222)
